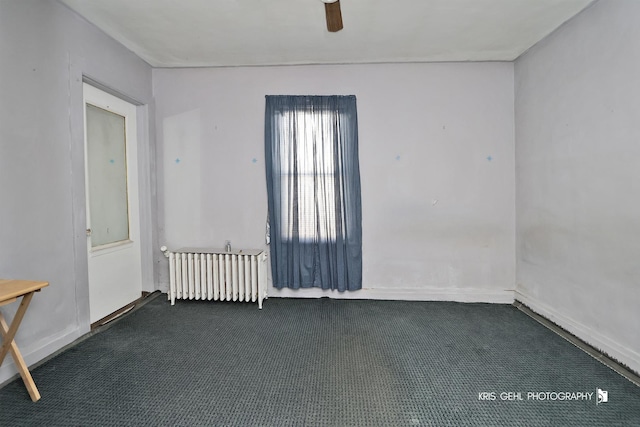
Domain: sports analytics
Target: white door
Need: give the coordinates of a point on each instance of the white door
(113, 224)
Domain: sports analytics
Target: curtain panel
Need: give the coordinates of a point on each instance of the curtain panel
(313, 188)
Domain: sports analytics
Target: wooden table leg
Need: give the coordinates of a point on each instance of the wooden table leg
(9, 345)
(10, 333)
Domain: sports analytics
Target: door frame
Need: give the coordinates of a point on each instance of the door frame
(135, 92)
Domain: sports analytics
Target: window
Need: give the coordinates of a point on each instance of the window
(313, 186)
(308, 169)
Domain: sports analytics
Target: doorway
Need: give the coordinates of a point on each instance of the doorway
(113, 218)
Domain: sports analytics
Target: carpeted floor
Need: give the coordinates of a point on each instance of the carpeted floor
(322, 363)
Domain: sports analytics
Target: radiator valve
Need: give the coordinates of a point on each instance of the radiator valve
(165, 251)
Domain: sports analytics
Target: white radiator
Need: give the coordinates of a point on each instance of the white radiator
(218, 275)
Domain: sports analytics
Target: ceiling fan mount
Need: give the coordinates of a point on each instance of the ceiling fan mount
(334, 15)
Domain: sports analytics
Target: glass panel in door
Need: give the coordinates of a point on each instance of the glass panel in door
(107, 170)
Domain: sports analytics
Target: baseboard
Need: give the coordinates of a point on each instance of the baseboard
(404, 294)
(31, 355)
(606, 345)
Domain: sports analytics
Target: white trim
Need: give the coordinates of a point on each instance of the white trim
(403, 294)
(38, 351)
(592, 337)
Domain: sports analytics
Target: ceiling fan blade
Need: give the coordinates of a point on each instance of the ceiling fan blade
(334, 16)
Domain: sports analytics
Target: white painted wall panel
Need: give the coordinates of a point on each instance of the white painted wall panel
(578, 180)
(436, 161)
(45, 49)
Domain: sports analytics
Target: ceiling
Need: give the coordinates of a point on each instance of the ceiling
(200, 33)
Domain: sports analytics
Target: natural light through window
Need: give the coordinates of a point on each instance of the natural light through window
(308, 176)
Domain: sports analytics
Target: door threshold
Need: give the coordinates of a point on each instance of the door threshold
(116, 314)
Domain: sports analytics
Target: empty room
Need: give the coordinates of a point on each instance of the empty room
(320, 212)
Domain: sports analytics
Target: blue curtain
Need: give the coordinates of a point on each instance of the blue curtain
(313, 187)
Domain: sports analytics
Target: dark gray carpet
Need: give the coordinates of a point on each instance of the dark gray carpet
(320, 363)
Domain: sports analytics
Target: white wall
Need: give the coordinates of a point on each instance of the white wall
(45, 50)
(436, 159)
(578, 178)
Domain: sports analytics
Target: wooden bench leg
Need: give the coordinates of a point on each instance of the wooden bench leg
(9, 346)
